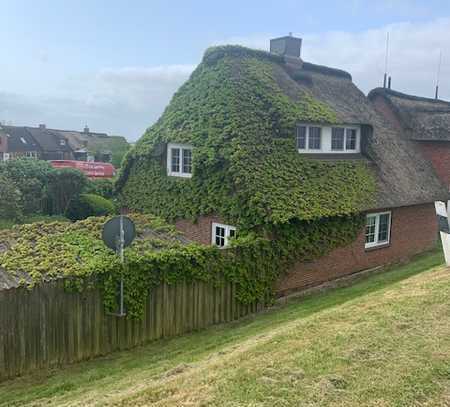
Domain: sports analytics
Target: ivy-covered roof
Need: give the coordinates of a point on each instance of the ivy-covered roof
(239, 110)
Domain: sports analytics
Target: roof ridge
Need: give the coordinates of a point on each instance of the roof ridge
(385, 91)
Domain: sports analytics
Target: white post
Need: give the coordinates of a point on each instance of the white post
(442, 213)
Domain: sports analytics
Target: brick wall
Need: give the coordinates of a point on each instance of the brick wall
(413, 230)
(199, 231)
(438, 152)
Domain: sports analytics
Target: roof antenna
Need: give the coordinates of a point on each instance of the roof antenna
(436, 96)
(386, 60)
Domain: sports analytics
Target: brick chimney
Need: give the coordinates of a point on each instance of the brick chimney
(86, 129)
(289, 46)
(42, 126)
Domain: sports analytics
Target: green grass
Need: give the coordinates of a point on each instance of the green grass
(384, 341)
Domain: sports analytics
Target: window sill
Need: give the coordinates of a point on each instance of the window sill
(377, 247)
(178, 175)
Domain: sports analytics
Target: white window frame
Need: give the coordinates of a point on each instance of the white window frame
(30, 154)
(376, 242)
(180, 147)
(227, 228)
(326, 139)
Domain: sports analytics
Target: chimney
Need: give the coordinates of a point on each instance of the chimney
(389, 83)
(86, 129)
(288, 46)
(42, 126)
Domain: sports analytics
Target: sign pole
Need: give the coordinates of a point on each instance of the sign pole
(122, 243)
(443, 213)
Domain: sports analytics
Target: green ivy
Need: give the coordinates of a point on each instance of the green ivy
(75, 252)
(236, 112)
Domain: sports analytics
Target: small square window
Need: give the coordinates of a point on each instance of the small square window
(337, 138)
(221, 234)
(301, 138)
(378, 229)
(350, 139)
(179, 160)
(315, 138)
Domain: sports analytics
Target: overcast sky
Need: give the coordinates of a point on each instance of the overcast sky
(114, 64)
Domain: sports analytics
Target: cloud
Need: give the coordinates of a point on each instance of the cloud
(127, 100)
(413, 56)
(119, 101)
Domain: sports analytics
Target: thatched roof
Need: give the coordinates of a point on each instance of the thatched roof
(423, 118)
(241, 103)
(404, 177)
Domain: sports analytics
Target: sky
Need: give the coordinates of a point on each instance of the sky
(114, 65)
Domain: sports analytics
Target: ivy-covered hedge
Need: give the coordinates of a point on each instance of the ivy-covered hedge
(241, 120)
(74, 251)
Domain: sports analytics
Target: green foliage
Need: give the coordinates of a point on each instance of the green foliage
(86, 205)
(31, 179)
(116, 144)
(253, 263)
(103, 187)
(238, 113)
(63, 185)
(10, 199)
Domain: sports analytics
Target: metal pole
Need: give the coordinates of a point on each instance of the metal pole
(122, 243)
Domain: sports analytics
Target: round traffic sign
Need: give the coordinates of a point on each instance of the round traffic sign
(111, 232)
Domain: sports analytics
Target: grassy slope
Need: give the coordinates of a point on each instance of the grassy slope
(384, 341)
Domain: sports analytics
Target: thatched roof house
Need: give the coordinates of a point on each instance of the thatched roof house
(260, 139)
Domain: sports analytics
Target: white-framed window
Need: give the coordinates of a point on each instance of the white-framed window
(179, 160)
(221, 234)
(313, 138)
(31, 154)
(378, 229)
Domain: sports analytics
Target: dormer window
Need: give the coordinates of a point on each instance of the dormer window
(179, 160)
(324, 139)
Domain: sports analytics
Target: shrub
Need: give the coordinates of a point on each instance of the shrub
(30, 178)
(63, 186)
(103, 187)
(10, 199)
(86, 205)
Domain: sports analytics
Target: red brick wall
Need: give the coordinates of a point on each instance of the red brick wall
(413, 230)
(200, 231)
(438, 152)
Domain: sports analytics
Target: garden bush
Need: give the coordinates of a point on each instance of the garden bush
(85, 205)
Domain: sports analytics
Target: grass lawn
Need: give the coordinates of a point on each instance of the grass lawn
(384, 341)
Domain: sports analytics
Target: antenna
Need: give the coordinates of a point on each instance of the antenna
(386, 60)
(438, 77)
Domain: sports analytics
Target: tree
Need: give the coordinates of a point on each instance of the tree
(10, 199)
(30, 177)
(63, 185)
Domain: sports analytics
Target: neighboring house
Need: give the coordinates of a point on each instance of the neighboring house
(424, 121)
(17, 142)
(223, 154)
(53, 144)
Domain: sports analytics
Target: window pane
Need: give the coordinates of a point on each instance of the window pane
(314, 139)
(187, 161)
(383, 229)
(175, 159)
(370, 229)
(232, 233)
(301, 137)
(350, 143)
(337, 138)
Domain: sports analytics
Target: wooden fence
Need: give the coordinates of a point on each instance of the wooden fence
(47, 326)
